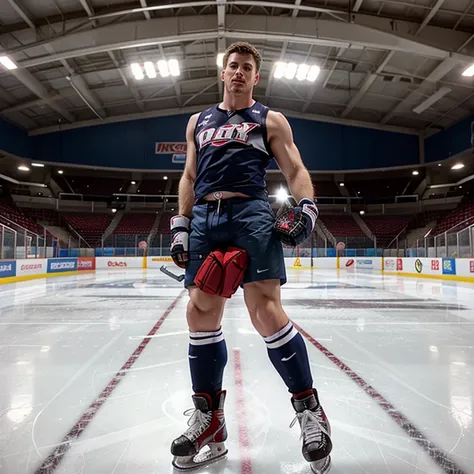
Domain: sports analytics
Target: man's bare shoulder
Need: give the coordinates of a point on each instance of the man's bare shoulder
(276, 122)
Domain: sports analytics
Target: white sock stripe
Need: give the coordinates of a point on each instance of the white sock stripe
(205, 334)
(278, 334)
(282, 342)
(207, 340)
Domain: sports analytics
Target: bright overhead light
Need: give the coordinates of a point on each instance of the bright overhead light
(302, 72)
(114, 210)
(220, 60)
(173, 66)
(23, 168)
(280, 69)
(469, 72)
(415, 173)
(291, 69)
(361, 213)
(165, 177)
(163, 68)
(341, 184)
(133, 182)
(457, 166)
(439, 164)
(150, 70)
(282, 195)
(60, 171)
(313, 73)
(7, 62)
(137, 71)
(37, 165)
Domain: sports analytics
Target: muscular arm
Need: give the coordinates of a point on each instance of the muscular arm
(288, 156)
(186, 183)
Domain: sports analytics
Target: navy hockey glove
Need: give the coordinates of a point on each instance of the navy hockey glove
(179, 226)
(294, 225)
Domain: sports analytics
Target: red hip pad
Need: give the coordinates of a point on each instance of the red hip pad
(222, 272)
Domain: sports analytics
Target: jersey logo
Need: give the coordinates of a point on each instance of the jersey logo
(226, 133)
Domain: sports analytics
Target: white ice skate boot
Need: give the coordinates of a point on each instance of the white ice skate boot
(315, 432)
(206, 428)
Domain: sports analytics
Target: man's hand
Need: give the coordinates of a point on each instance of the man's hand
(294, 225)
(180, 240)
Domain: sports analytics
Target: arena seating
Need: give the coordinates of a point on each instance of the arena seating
(464, 212)
(386, 228)
(135, 224)
(89, 226)
(164, 225)
(342, 225)
(13, 213)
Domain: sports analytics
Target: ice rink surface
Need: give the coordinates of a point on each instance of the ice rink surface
(84, 390)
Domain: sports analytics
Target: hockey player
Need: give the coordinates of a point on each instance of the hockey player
(223, 203)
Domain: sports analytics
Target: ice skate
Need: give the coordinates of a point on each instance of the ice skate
(315, 432)
(206, 429)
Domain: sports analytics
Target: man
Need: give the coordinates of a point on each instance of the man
(223, 202)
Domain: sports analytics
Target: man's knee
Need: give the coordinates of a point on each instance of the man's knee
(264, 306)
(204, 310)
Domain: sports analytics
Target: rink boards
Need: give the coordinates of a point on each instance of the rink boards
(458, 269)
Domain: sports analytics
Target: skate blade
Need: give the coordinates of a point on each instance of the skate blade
(321, 467)
(215, 452)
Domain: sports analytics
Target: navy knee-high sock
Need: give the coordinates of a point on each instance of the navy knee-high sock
(207, 360)
(288, 354)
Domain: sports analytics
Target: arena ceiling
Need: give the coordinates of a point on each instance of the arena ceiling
(387, 64)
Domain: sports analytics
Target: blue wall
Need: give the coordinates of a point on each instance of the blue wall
(323, 146)
(15, 140)
(449, 142)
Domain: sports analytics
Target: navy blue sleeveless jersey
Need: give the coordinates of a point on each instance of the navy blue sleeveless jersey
(232, 151)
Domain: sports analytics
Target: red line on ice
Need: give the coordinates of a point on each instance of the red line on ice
(436, 454)
(53, 460)
(246, 461)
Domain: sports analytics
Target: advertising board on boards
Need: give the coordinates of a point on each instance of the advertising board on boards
(57, 265)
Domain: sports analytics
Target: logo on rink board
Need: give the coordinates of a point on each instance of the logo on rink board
(7, 268)
(471, 266)
(62, 265)
(449, 266)
(116, 264)
(418, 265)
(435, 265)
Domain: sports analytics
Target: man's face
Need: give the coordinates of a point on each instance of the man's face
(240, 74)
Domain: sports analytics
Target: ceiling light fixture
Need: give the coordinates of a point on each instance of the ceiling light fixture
(163, 68)
(37, 165)
(23, 168)
(469, 72)
(137, 71)
(8, 63)
(300, 71)
(457, 166)
(150, 70)
(173, 66)
(415, 173)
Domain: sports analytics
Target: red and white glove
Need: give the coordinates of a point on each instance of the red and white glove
(179, 226)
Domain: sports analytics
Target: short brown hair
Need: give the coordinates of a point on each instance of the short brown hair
(242, 47)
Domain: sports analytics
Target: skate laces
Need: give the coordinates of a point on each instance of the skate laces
(198, 422)
(312, 425)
